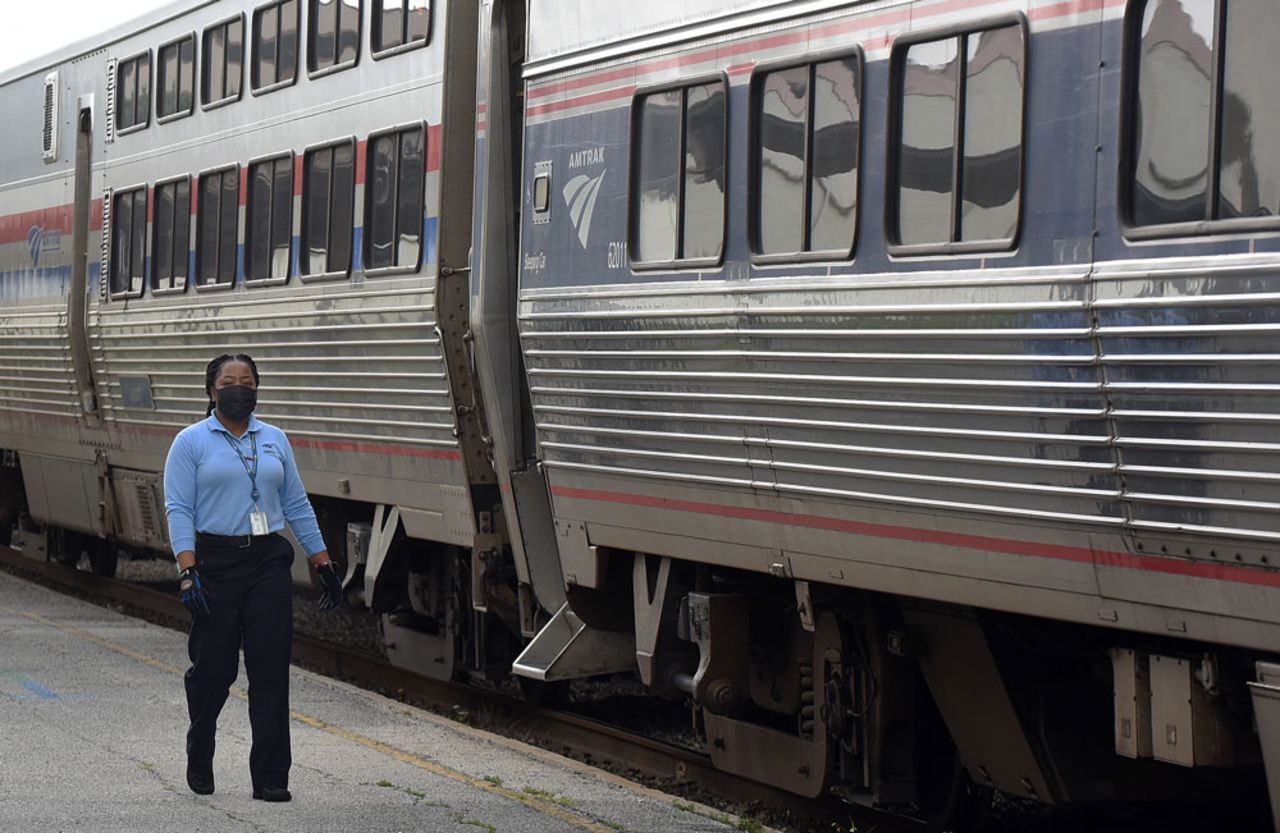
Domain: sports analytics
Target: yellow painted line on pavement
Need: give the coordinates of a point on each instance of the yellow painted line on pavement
(534, 802)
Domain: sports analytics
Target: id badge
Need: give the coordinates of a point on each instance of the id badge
(258, 522)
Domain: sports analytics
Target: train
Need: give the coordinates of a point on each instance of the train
(890, 381)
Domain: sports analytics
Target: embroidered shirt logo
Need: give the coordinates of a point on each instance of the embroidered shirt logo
(273, 450)
(580, 195)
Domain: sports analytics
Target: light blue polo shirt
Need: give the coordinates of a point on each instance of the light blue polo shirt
(207, 489)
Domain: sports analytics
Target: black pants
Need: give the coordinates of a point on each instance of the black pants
(251, 604)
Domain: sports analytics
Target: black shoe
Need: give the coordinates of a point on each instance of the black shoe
(272, 794)
(200, 781)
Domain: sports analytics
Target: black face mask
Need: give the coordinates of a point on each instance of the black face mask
(236, 402)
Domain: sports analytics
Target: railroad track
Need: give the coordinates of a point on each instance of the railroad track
(579, 737)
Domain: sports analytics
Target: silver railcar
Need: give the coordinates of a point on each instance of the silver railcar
(903, 381)
(287, 179)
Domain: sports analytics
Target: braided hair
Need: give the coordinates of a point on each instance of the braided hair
(215, 367)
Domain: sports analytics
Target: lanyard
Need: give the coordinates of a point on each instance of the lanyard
(252, 471)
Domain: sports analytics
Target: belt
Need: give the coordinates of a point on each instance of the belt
(237, 541)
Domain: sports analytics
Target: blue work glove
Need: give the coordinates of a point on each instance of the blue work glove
(192, 593)
(330, 586)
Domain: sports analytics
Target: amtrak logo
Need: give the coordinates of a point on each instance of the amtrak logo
(580, 196)
(41, 240)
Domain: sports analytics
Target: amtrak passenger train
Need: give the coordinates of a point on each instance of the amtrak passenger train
(892, 381)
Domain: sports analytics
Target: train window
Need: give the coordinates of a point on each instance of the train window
(328, 209)
(394, 183)
(678, 176)
(399, 25)
(333, 35)
(268, 228)
(223, 62)
(806, 159)
(128, 241)
(1200, 150)
(133, 93)
(171, 236)
(957, 154)
(275, 46)
(176, 79)
(217, 227)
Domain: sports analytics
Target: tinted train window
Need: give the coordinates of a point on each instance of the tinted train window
(133, 92)
(275, 46)
(400, 24)
(394, 181)
(176, 78)
(678, 176)
(170, 235)
(269, 219)
(328, 206)
(1203, 145)
(333, 34)
(128, 241)
(217, 227)
(958, 157)
(806, 157)
(223, 62)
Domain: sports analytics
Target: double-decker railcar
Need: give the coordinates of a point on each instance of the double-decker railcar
(289, 179)
(903, 376)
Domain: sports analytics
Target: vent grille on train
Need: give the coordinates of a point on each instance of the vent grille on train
(49, 145)
(104, 274)
(147, 510)
(109, 132)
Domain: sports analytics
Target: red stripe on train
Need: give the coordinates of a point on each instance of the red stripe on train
(384, 449)
(1152, 564)
(890, 17)
(14, 228)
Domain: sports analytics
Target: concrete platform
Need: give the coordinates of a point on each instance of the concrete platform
(93, 723)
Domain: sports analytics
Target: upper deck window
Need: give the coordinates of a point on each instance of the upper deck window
(275, 46)
(128, 241)
(133, 92)
(1202, 148)
(677, 201)
(176, 79)
(394, 199)
(806, 159)
(223, 62)
(400, 25)
(333, 35)
(957, 154)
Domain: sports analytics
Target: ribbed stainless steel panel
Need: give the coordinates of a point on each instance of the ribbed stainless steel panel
(37, 376)
(1186, 347)
(961, 392)
(340, 363)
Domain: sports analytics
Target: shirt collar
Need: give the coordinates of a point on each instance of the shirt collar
(213, 424)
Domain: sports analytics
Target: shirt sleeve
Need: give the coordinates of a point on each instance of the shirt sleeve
(180, 494)
(296, 506)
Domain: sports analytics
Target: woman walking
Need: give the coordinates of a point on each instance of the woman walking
(230, 484)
